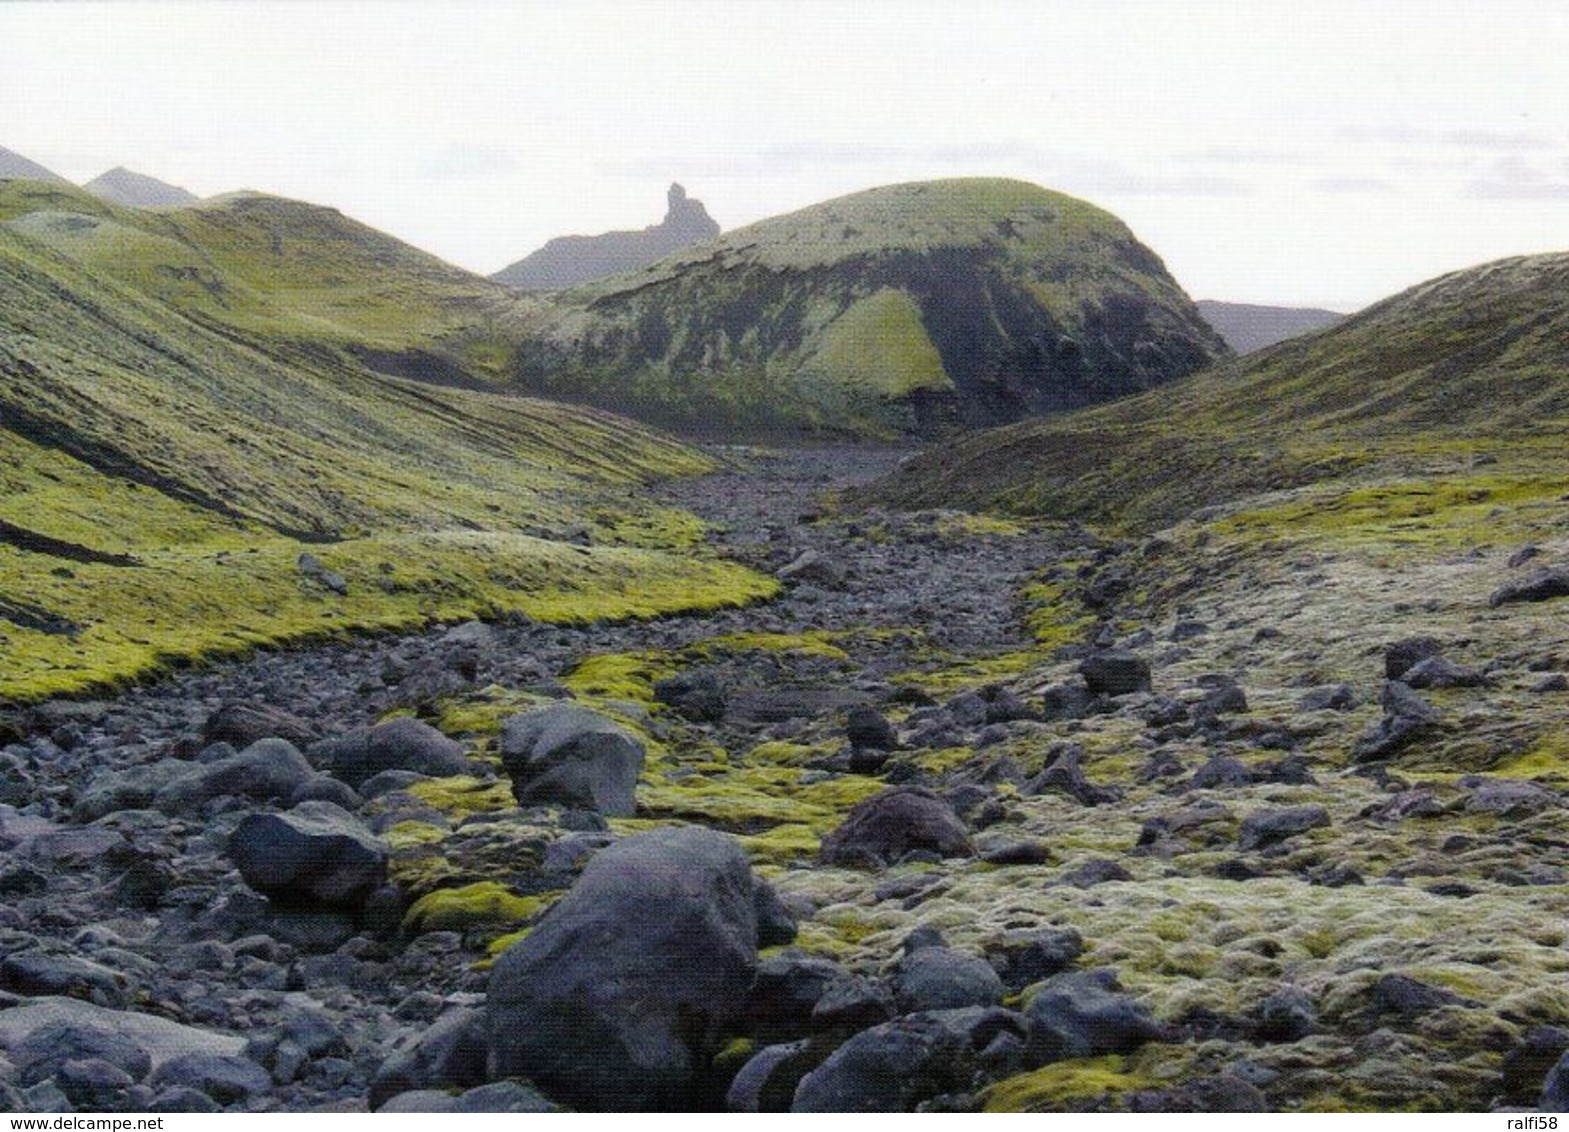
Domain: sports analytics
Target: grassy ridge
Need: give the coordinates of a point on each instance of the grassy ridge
(179, 393)
(1467, 371)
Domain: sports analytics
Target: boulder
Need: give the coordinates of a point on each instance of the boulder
(1401, 656)
(867, 728)
(1080, 1014)
(1028, 955)
(620, 996)
(896, 1066)
(1555, 1089)
(1542, 585)
(697, 696)
(398, 744)
(1408, 718)
(1270, 827)
(159, 1038)
(451, 1054)
(1115, 672)
(1440, 672)
(315, 854)
(882, 829)
(269, 770)
(226, 1078)
(770, 1077)
(571, 756)
(241, 723)
(941, 978)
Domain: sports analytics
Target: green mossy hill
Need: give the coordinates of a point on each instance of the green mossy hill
(169, 449)
(908, 308)
(1473, 366)
(303, 276)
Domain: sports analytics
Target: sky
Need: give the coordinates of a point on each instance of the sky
(1320, 153)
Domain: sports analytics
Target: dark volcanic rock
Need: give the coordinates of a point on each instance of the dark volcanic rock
(1401, 656)
(940, 978)
(1026, 956)
(769, 1079)
(1115, 672)
(240, 724)
(398, 744)
(868, 728)
(314, 854)
(449, 1055)
(1408, 718)
(1270, 827)
(618, 998)
(1079, 1015)
(896, 1066)
(1542, 585)
(698, 696)
(883, 828)
(572, 756)
(1064, 775)
(1403, 995)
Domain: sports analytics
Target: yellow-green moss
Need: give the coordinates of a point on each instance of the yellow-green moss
(462, 795)
(485, 904)
(1062, 1085)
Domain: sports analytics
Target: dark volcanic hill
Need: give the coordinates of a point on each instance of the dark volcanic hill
(1247, 327)
(909, 308)
(570, 260)
(13, 166)
(1475, 362)
(137, 190)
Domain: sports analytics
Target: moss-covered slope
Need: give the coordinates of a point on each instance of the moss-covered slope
(1474, 365)
(907, 308)
(186, 408)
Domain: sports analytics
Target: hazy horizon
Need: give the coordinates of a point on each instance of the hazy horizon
(1324, 157)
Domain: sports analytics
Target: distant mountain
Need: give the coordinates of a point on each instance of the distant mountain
(1475, 362)
(15, 166)
(909, 308)
(1247, 327)
(568, 261)
(137, 190)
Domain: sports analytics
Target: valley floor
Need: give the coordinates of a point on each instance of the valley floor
(1307, 930)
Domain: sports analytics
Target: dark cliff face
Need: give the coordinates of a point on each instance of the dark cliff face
(569, 261)
(904, 310)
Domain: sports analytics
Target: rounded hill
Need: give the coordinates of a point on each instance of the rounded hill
(909, 308)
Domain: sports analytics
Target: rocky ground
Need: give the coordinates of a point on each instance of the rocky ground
(973, 815)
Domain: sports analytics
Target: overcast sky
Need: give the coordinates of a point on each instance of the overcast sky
(1309, 153)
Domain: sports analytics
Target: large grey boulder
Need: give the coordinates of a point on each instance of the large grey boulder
(571, 756)
(316, 854)
(618, 998)
(397, 744)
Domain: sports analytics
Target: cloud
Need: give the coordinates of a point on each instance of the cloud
(1518, 190)
(1247, 156)
(1461, 138)
(1352, 185)
(463, 161)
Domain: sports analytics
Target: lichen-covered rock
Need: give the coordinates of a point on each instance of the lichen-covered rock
(314, 854)
(571, 756)
(618, 998)
(885, 827)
